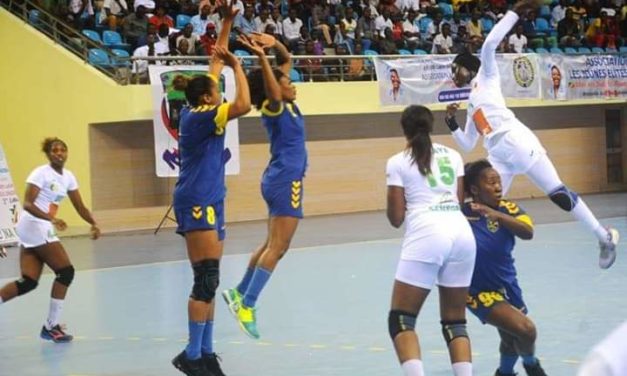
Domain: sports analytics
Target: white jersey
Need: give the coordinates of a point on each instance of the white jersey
(608, 358)
(488, 114)
(53, 188)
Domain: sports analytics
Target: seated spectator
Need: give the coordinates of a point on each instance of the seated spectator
(348, 26)
(317, 41)
(182, 49)
(263, 20)
(461, 42)
(278, 21)
(271, 29)
(152, 48)
(383, 22)
(291, 29)
(407, 5)
(602, 32)
(302, 40)
(320, 13)
(372, 5)
(81, 13)
(427, 7)
(435, 26)
(518, 41)
(493, 12)
(245, 23)
(443, 42)
(456, 23)
(529, 26)
(475, 30)
(200, 21)
(366, 31)
(264, 4)
(569, 30)
(411, 31)
(160, 17)
(558, 13)
(387, 46)
(208, 40)
(149, 5)
(113, 13)
(191, 39)
(135, 26)
(311, 67)
(579, 12)
(356, 68)
(337, 68)
(397, 30)
(461, 6)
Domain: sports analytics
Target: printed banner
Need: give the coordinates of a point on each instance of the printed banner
(427, 79)
(9, 204)
(168, 99)
(583, 77)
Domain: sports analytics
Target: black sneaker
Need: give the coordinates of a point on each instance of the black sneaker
(534, 370)
(212, 364)
(57, 334)
(190, 367)
(499, 373)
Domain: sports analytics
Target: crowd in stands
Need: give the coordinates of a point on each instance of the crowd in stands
(349, 27)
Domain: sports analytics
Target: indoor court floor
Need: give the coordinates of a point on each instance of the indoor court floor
(324, 312)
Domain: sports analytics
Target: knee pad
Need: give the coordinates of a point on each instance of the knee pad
(65, 276)
(206, 280)
(564, 198)
(25, 285)
(453, 329)
(400, 321)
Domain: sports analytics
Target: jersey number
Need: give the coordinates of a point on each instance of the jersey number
(211, 215)
(446, 173)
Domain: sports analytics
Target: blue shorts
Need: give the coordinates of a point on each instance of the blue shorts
(284, 199)
(201, 217)
(481, 303)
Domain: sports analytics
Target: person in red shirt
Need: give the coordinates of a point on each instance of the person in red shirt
(160, 17)
(208, 39)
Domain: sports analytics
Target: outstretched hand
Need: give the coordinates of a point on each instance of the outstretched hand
(226, 56)
(451, 109)
(229, 9)
(263, 40)
(253, 46)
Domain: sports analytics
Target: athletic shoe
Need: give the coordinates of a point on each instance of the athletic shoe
(233, 300)
(190, 367)
(607, 256)
(56, 334)
(247, 319)
(212, 364)
(498, 373)
(534, 370)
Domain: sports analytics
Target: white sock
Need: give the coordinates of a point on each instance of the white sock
(413, 367)
(56, 307)
(585, 216)
(462, 369)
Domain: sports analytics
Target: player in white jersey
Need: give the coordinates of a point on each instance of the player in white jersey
(512, 148)
(608, 358)
(46, 186)
(425, 188)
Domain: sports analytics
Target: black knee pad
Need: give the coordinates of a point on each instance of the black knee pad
(25, 285)
(400, 321)
(453, 329)
(206, 280)
(65, 276)
(564, 198)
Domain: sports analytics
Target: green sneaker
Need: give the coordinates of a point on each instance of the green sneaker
(233, 300)
(247, 319)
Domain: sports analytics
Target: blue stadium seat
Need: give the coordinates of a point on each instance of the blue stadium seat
(418, 51)
(611, 50)
(371, 53)
(113, 39)
(93, 35)
(295, 75)
(447, 9)
(623, 50)
(122, 54)
(545, 12)
(541, 50)
(542, 26)
(99, 58)
(404, 52)
(570, 50)
(556, 50)
(598, 50)
(487, 24)
(34, 17)
(584, 50)
(182, 20)
(423, 24)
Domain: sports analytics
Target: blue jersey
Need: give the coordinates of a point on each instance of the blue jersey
(201, 148)
(494, 265)
(286, 131)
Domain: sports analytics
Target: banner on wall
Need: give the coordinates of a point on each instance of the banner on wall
(168, 99)
(427, 79)
(9, 204)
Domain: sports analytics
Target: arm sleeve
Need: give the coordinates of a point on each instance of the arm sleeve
(466, 139)
(393, 173)
(511, 208)
(222, 117)
(72, 182)
(488, 50)
(36, 178)
(268, 112)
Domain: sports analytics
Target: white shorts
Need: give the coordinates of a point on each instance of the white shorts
(514, 152)
(34, 233)
(440, 250)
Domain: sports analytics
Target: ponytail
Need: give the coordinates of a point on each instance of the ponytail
(417, 122)
(421, 151)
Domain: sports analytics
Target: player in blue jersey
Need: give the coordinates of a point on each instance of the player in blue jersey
(282, 183)
(494, 295)
(199, 195)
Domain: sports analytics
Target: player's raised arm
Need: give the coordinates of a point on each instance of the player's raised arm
(255, 44)
(466, 138)
(230, 12)
(241, 104)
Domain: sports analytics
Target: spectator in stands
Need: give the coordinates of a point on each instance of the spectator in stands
(152, 48)
(114, 12)
(348, 26)
(529, 26)
(370, 4)
(271, 29)
(264, 4)
(183, 48)
(475, 30)
(245, 23)
(208, 40)
(435, 26)
(191, 39)
(456, 22)
(383, 22)
(278, 21)
(518, 41)
(135, 26)
(311, 66)
(366, 32)
(443, 42)
(200, 21)
(461, 41)
(569, 30)
(81, 13)
(579, 12)
(319, 15)
(149, 5)
(411, 31)
(337, 68)
(387, 46)
(160, 17)
(163, 34)
(356, 68)
(405, 5)
(601, 32)
(263, 20)
(558, 13)
(291, 29)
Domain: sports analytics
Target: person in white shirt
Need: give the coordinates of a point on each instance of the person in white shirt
(512, 148)
(558, 13)
(263, 20)
(114, 13)
(411, 30)
(517, 41)
(443, 42)
(152, 48)
(608, 358)
(80, 12)
(383, 22)
(406, 5)
(36, 229)
(291, 29)
(424, 190)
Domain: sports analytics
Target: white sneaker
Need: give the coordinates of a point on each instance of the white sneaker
(607, 256)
